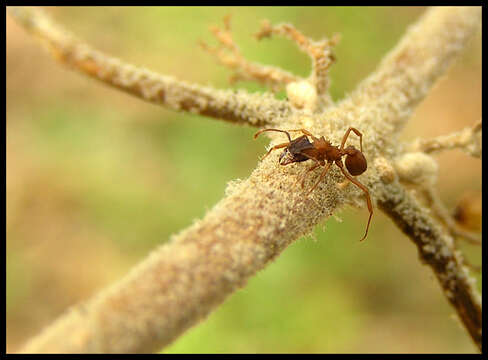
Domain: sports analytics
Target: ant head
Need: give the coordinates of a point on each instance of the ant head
(356, 163)
(287, 157)
(290, 155)
(294, 151)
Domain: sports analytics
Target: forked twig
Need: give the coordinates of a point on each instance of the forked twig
(236, 107)
(229, 54)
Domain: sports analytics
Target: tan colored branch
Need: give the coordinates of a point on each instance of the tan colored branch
(319, 51)
(436, 249)
(309, 94)
(236, 107)
(405, 76)
(468, 140)
(182, 282)
(420, 169)
(435, 243)
(229, 54)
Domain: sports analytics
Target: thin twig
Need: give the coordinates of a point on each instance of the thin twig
(319, 51)
(233, 106)
(229, 54)
(468, 140)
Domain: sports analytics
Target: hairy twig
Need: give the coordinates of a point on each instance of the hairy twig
(468, 140)
(436, 249)
(229, 55)
(319, 51)
(182, 282)
(233, 106)
(310, 94)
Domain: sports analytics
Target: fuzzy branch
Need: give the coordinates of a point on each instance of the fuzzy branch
(468, 140)
(410, 70)
(319, 51)
(229, 54)
(310, 94)
(236, 107)
(436, 249)
(180, 283)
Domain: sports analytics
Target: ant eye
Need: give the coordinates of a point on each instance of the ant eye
(356, 163)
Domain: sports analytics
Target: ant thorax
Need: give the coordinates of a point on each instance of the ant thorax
(332, 153)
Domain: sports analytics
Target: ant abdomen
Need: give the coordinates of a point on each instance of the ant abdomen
(356, 163)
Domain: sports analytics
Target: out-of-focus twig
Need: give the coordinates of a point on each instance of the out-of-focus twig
(229, 54)
(468, 140)
(442, 213)
(436, 250)
(236, 107)
(319, 51)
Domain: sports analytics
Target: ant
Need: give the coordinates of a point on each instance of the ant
(322, 151)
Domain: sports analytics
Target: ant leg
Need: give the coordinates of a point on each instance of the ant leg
(279, 146)
(306, 132)
(327, 167)
(357, 132)
(263, 130)
(362, 187)
(306, 172)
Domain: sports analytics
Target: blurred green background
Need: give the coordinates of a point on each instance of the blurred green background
(96, 179)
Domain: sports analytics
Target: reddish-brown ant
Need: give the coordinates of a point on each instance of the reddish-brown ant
(322, 151)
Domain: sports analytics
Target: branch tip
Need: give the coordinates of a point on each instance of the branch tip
(229, 55)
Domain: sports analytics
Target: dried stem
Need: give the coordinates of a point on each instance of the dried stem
(436, 249)
(182, 282)
(229, 55)
(236, 107)
(468, 140)
(405, 76)
(319, 51)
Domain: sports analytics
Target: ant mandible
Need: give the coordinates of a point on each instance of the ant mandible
(322, 151)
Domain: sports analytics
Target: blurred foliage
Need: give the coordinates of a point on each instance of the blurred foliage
(96, 179)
